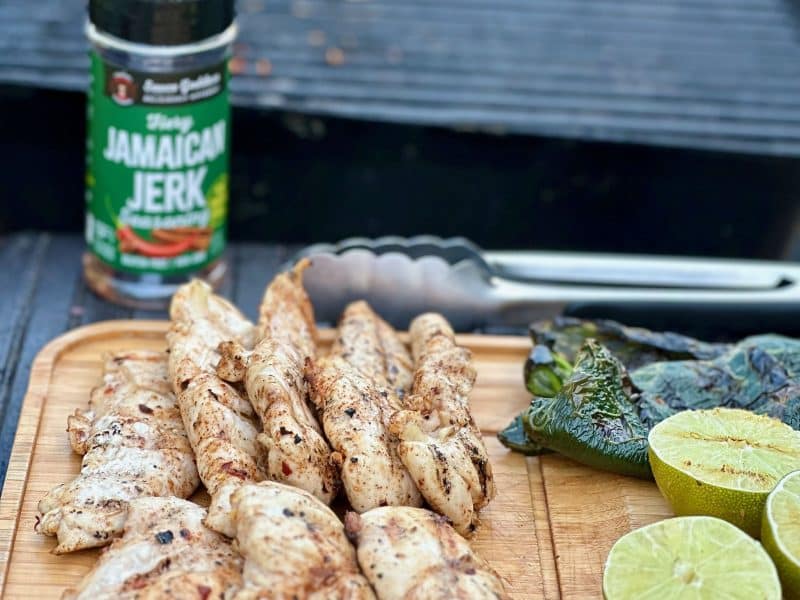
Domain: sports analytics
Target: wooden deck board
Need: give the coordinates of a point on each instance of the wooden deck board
(682, 73)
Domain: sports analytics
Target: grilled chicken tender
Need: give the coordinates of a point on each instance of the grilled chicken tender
(294, 547)
(223, 435)
(165, 552)
(296, 452)
(353, 390)
(286, 312)
(133, 444)
(201, 321)
(441, 446)
(411, 553)
(220, 423)
(372, 346)
(275, 379)
(398, 365)
(355, 415)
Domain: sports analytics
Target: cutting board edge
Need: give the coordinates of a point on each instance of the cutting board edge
(19, 461)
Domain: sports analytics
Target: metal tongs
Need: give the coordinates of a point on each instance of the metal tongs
(476, 289)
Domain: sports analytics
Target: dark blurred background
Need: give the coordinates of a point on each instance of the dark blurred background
(665, 126)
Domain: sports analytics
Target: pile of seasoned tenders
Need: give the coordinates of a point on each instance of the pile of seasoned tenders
(276, 429)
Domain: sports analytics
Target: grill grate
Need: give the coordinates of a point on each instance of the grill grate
(716, 74)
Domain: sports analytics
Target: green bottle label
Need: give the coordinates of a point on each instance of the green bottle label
(157, 168)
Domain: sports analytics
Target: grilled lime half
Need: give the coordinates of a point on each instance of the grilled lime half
(780, 532)
(697, 558)
(722, 462)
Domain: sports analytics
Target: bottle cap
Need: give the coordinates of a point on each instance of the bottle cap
(162, 22)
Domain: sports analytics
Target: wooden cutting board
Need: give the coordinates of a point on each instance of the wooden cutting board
(547, 533)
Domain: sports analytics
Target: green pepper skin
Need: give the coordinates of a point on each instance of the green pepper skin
(545, 371)
(593, 419)
(633, 346)
(760, 374)
(516, 438)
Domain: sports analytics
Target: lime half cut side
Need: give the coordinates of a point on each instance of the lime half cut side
(690, 558)
(780, 532)
(722, 462)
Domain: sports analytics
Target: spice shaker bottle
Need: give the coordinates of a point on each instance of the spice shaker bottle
(158, 138)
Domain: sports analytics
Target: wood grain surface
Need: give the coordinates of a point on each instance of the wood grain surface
(547, 532)
(713, 74)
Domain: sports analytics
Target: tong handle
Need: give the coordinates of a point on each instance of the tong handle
(637, 271)
(698, 319)
(700, 312)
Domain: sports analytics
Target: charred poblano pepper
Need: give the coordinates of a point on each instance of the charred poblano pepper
(760, 374)
(600, 417)
(545, 371)
(633, 346)
(516, 437)
(556, 344)
(593, 419)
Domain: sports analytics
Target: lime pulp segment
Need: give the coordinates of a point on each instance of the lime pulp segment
(731, 448)
(783, 511)
(691, 558)
(781, 531)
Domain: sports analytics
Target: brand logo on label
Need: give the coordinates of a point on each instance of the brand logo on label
(182, 90)
(122, 88)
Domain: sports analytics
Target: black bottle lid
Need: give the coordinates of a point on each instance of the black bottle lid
(161, 22)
